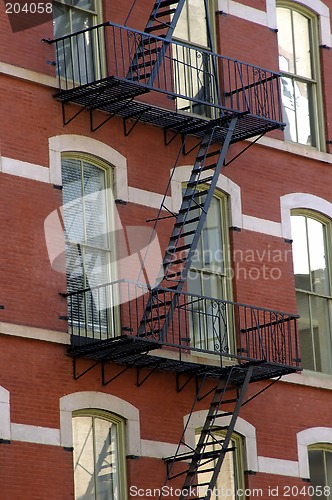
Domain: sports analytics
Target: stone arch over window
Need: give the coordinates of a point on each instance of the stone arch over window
(77, 143)
(307, 201)
(224, 184)
(100, 401)
(307, 437)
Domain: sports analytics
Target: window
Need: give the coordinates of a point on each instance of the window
(194, 69)
(299, 65)
(76, 54)
(208, 276)
(320, 466)
(230, 482)
(99, 456)
(87, 214)
(311, 237)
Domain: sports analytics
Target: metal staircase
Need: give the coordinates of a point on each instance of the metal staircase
(203, 460)
(149, 55)
(188, 227)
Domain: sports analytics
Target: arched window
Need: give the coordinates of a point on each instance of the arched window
(230, 482)
(311, 258)
(90, 247)
(320, 466)
(299, 65)
(99, 456)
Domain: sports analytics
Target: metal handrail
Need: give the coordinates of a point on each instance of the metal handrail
(175, 68)
(198, 323)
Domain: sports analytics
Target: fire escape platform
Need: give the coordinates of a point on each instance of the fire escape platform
(115, 95)
(132, 351)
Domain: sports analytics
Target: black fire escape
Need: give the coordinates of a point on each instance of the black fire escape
(147, 77)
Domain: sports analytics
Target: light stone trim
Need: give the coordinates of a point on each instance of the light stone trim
(247, 431)
(35, 434)
(307, 437)
(243, 11)
(159, 449)
(268, 17)
(278, 466)
(147, 198)
(301, 200)
(29, 75)
(262, 226)
(310, 379)
(294, 148)
(4, 414)
(101, 401)
(24, 169)
(30, 332)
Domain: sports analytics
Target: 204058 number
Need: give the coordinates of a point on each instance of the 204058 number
(312, 491)
(29, 8)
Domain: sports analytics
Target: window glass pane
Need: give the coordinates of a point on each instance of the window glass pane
(305, 333)
(85, 4)
(285, 40)
(300, 252)
(321, 333)
(328, 465)
(289, 108)
(106, 459)
(317, 254)
(302, 45)
(95, 205)
(320, 472)
(72, 200)
(197, 22)
(96, 459)
(61, 20)
(182, 27)
(83, 458)
(212, 239)
(301, 91)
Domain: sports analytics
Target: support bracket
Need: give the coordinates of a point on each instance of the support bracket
(108, 381)
(77, 375)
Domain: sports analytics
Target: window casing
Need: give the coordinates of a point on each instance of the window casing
(320, 466)
(209, 277)
(90, 248)
(194, 71)
(311, 235)
(76, 56)
(230, 483)
(99, 456)
(300, 81)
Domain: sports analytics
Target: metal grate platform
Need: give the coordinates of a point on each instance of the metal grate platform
(115, 95)
(132, 351)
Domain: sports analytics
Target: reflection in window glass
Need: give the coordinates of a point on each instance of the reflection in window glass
(312, 282)
(230, 482)
(97, 463)
(298, 82)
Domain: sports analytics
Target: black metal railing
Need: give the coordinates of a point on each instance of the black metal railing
(196, 79)
(196, 323)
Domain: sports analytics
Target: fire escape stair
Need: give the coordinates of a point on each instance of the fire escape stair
(211, 449)
(186, 231)
(149, 54)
